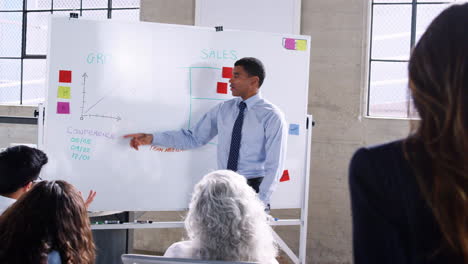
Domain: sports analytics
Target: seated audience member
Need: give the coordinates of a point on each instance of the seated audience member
(47, 225)
(19, 168)
(410, 197)
(226, 221)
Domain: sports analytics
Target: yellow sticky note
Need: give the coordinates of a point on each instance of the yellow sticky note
(301, 44)
(63, 92)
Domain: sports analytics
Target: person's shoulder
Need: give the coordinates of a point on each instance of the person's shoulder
(269, 110)
(389, 147)
(223, 106)
(181, 249)
(267, 105)
(381, 167)
(379, 153)
(228, 104)
(381, 178)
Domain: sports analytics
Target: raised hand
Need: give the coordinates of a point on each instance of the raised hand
(90, 198)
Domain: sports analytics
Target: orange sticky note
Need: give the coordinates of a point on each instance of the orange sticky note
(285, 176)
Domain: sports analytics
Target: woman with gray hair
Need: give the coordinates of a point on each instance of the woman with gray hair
(226, 221)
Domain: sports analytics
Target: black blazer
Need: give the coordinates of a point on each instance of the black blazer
(392, 223)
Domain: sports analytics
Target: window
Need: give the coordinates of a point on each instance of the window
(23, 40)
(396, 25)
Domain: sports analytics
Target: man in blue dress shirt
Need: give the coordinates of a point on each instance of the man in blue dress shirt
(251, 131)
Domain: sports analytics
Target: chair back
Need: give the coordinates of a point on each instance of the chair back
(147, 259)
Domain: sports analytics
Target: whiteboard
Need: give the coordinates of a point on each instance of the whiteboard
(110, 78)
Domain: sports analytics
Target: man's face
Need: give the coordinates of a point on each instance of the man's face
(242, 84)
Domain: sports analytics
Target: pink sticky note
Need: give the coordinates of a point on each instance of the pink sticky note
(63, 108)
(290, 44)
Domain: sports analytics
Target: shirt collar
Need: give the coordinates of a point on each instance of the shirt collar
(6, 201)
(251, 101)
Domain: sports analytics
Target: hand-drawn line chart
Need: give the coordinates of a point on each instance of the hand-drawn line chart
(85, 111)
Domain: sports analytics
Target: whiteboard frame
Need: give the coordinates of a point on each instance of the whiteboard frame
(40, 126)
(200, 6)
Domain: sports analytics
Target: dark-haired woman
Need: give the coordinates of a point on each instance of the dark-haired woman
(410, 197)
(49, 224)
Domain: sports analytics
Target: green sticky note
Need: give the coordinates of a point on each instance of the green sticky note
(63, 92)
(301, 44)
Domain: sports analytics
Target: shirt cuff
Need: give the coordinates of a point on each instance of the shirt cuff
(264, 199)
(155, 139)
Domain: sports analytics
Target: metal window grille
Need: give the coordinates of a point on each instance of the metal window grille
(23, 40)
(396, 25)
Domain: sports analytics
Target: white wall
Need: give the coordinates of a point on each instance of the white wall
(17, 133)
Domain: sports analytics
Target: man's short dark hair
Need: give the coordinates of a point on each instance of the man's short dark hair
(19, 166)
(254, 67)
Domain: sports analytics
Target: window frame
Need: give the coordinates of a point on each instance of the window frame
(409, 109)
(24, 29)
